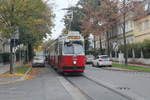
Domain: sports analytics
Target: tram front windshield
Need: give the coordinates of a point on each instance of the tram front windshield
(73, 48)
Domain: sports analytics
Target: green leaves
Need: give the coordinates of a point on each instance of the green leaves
(33, 17)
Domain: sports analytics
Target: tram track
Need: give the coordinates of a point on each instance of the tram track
(122, 91)
(88, 96)
(76, 92)
(85, 94)
(107, 87)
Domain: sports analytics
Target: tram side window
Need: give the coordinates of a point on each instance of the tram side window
(56, 48)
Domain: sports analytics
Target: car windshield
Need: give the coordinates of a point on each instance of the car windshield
(73, 49)
(104, 57)
(38, 58)
(90, 56)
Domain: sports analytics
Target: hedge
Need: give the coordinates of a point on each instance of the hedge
(5, 57)
(138, 47)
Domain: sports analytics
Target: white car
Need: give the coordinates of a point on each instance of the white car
(38, 61)
(102, 60)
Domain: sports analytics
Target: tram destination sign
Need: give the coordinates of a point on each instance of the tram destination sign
(73, 37)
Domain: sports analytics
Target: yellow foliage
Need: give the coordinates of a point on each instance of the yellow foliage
(39, 21)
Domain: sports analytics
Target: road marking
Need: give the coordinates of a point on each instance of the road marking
(72, 90)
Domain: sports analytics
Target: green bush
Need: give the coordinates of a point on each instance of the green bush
(96, 52)
(113, 53)
(146, 49)
(1, 60)
(5, 57)
(138, 47)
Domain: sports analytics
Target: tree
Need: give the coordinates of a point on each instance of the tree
(89, 21)
(133, 7)
(33, 19)
(72, 19)
(108, 14)
(33, 16)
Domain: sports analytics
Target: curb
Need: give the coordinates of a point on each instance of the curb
(25, 75)
(128, 70)
(21, 79)
(121, 69)
(127, 94)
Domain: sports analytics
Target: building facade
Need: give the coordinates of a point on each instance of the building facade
(4, 45)
(142, 25)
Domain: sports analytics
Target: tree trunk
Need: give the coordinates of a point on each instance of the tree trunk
(108, 47)
(94, 42)
(11, 59)
(30, 52)
(100, 45)
(133, 53)
(124, 34)
(142, 56)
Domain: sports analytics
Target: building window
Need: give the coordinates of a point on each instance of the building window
(120, 29)
(129, 26)
(146, 7)
(145, 24)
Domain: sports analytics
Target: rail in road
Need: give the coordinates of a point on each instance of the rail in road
(76, 90)
(122, 91)
(78, 93)
(119, 91)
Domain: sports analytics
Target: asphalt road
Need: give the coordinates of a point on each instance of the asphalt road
(44, 87)
(128, 81)
(48, 85)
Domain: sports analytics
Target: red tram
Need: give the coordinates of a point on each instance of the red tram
(67, 53)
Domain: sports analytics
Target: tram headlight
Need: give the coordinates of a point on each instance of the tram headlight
(74, 62)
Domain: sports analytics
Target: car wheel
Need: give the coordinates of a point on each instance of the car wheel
(97, 65)
(93, 65)
(33, 65)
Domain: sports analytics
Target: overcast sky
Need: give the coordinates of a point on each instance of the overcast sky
(59, 25)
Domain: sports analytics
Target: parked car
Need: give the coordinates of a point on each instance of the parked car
(102, 60)
(89, 59)
(38, 61)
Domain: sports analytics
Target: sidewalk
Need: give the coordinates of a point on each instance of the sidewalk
(4, 68)
(7, 78)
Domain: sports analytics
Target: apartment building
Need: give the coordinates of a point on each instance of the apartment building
(142, 25)
(136, 31)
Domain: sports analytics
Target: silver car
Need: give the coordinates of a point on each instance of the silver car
(38, 61)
